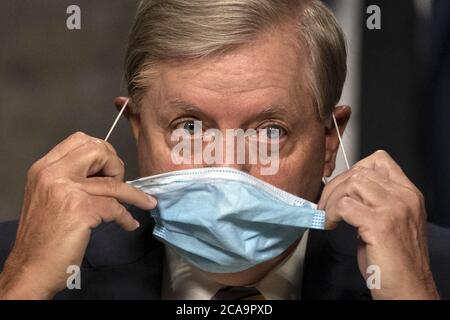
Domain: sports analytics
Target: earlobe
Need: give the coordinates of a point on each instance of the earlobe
(132, 117)
(342, 115)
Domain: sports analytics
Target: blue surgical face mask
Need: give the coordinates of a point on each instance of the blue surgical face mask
(224, 220)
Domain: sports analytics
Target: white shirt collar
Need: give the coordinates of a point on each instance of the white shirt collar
(182, 281)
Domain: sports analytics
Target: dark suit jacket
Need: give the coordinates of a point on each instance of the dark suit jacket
(124, 265)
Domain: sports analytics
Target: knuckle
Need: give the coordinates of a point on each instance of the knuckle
(121, 165)
(357, 168)
(111, 185)
(361, 172)
(418, 196)
(94, 144)
(118, 212)
(115, 206)
(102, 147)
(44, 177)
(95, 212)
(356, 179)
(79, 135)
(32, 171)
(416, 200)
(343, 203)
(96, 148)
(382, 153)
(92, 220)
(383, 157)
(421, 198)
(110, 147)
(122, 212)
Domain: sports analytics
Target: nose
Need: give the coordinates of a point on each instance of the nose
(230, 150)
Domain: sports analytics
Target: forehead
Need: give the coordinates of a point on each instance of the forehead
(269, 71)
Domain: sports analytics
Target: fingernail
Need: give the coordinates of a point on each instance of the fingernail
(152, 201)
(319, 206)
(137, 224)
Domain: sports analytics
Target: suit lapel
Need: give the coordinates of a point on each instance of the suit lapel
(331, 270)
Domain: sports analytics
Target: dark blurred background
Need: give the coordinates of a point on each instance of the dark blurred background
(54, 81)
(405, 95)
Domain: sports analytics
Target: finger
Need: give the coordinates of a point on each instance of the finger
(371, 192)
(72, 142)
(349, 210)
(92, 158)
(123, 192)
(109, 210)
(332, 184)
(382, 162)
(399, 185)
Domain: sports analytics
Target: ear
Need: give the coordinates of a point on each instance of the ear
(133, 117)
(342, 115)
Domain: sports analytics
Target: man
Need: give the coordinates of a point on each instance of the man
(269, 65)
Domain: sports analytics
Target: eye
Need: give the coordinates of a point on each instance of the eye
(274, 132)
(192, 127)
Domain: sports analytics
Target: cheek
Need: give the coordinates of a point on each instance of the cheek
(301, 170)
(155, 154)
(308, 178)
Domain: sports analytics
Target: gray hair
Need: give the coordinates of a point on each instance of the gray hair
(182, 30)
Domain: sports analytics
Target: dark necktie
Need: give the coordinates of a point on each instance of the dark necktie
(238, 293)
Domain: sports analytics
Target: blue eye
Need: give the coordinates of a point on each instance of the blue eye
(274, 132)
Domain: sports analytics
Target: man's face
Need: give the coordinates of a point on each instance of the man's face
(260, 86)
(256, 87)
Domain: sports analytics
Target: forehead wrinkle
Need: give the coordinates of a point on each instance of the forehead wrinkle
(232, 72)
(290, 111)
(233, 81)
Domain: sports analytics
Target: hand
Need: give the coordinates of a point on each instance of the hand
(74, 188)
(389, 213)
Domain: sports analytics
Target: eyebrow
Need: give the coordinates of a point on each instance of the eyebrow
(272, 111)
(185, 106)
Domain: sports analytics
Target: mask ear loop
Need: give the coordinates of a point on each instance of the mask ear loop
(341, 145)
(117, 119)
